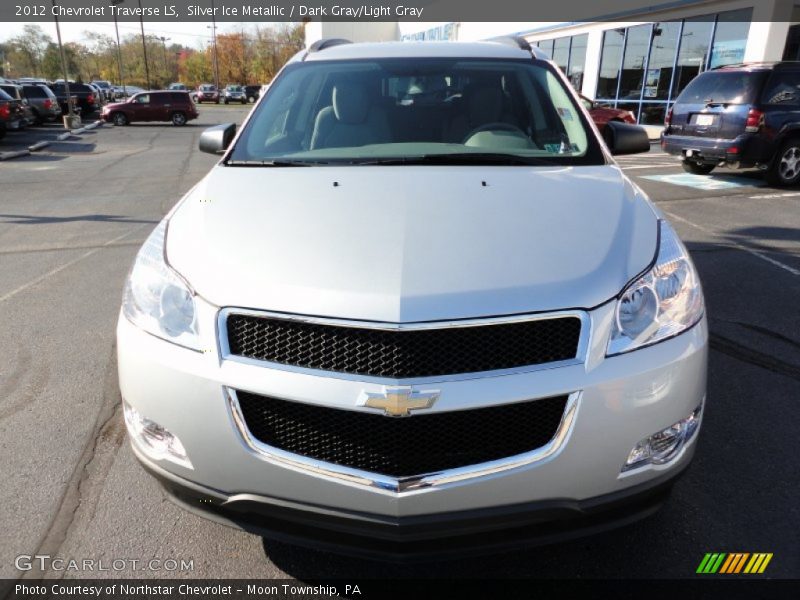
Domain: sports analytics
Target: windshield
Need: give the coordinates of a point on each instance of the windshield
(234, 88)
(385, 110)
(207, 88)
(723, 87)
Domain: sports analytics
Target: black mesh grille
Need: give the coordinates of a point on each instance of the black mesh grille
(404, 446)
(404, 353)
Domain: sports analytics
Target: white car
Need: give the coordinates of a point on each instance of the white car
(416, 307)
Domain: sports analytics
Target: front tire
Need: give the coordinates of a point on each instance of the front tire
(697, 168)
(785, 167)
(119, 119)
(178, 119)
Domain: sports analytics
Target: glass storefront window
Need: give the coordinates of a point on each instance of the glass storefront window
(662, 59)
(633, 64)
(693, 52)
(547, 46)
(609, 63)
(730, 37)
(561, 53)
(577, 60)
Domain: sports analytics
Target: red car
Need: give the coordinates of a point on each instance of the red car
(603, 114)
(207, 92)
(176, 107)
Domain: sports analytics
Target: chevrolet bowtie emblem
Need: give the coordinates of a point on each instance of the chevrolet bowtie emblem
(399, 401)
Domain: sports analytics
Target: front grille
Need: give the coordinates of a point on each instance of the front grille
(405, 352)
(406, 446)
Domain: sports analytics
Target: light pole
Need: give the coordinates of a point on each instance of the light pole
(164, 41)
(70, 118)
(214, 35)
(119, 49)
(144, 45)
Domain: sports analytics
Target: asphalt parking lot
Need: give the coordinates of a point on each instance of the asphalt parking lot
(71, 220)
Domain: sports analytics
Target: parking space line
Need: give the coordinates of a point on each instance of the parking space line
(66, 265)
(755, 253)
(774, 196)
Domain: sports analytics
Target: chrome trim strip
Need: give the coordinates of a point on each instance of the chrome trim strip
(366, 479)
(580, 358)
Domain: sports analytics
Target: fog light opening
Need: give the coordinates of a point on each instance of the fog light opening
(156, 441)
(663, 446)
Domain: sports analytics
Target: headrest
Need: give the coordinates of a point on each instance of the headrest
(350, 102)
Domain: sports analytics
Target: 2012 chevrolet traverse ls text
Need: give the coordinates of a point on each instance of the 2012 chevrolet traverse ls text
(416, 307)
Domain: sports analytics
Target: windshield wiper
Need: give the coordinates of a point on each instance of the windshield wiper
(273, 163)
(457, 158)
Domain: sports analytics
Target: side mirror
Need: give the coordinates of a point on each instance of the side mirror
(624, 138)
(216, 140)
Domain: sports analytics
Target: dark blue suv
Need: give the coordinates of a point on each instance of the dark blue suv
(740, 116)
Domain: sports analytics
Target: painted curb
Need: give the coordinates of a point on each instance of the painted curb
(77, 131)
(38, 146)
(18, 153)
(63, 136)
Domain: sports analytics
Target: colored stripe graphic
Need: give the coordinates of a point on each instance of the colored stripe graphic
(733, 563)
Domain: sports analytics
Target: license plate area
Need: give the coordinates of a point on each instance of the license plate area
(704, 120)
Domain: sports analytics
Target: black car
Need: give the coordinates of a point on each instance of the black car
(252, 92)
(86, 97)
(740, 116)
(10, 114)
(23, 109)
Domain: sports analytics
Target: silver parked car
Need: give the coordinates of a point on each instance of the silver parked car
(234, 93)
(416, 306)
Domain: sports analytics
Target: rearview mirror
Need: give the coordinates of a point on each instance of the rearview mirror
(624, 138)
(216, 140)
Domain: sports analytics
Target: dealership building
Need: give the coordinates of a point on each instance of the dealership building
(640, 61)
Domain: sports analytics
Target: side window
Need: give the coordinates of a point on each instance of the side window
(783, 88)
(158, 99)
(143, 99)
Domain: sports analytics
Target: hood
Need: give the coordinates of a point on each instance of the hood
(408, 243)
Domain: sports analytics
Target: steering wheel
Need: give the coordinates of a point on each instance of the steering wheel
(496, 126)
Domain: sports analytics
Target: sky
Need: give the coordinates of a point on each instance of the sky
(193, 35)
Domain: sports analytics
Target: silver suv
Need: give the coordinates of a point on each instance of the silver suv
(235, 93)
(415, 306)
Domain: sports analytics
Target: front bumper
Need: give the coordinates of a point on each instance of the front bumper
(620, 401)
(417, 538)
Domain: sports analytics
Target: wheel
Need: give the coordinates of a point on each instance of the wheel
(785, 167)
(119, 119)
(178, 119)
(2, 132)
(226, 100)
(697, 168)
(217, 100)
(251, 99)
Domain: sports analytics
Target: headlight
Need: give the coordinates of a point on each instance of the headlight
(157, 299)
(664, 302)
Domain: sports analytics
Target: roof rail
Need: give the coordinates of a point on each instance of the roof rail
(325, 43)
(514, 40)
(755, 63)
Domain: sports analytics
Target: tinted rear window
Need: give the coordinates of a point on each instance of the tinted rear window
(727, 87)
(10, 90)
(35, 91)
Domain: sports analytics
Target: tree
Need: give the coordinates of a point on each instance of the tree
(30, 46)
